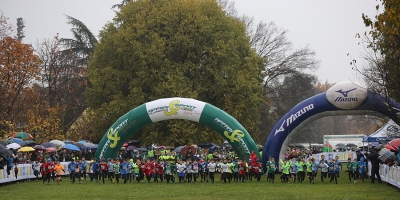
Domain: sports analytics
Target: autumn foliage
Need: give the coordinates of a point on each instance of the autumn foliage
(38, 88)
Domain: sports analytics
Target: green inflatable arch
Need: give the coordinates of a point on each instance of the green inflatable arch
(176, 108)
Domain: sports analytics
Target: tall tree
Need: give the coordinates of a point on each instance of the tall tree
(19, 68)
(383, 50)
(120, 5)
(174, 48)
(83, 41)
(63, 81)
(271, 43)
(281, 60)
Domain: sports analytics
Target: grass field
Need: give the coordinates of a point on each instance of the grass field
(248, 190)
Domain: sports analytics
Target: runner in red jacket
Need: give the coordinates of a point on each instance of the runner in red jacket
(50, 169)
(103, 169)
(257, 170)
(142, 170)
(242, 171)
(44, 169)
(149, 169)
(158, 172)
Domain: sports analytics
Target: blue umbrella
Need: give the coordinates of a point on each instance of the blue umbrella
(17, 140)
(94, 146)
(179, 149)
(83, 142)
(48, 144)
(80, 146)
(71, 147)
(90, 146)
(68, 142)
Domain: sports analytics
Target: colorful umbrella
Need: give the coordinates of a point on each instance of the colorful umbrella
(125, 144)
(58, 143)
(13, 146)
(130, 147)
(48, 144)
(90, 146)
(80, 146)
(23, 135)
(17, 140)
(26, 149)
(68, 142)
(328, 145)
(385, 154)
(178, 149)
(83, 142)
(392, 148)
(28, 143)
(51, 149)
(39, 147)
(395, 142)
(71, 147)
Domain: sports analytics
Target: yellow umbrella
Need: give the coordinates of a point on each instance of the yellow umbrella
(26, 149)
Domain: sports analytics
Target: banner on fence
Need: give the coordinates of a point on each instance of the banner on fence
(343, 156)
(388, 174)
(25, 171)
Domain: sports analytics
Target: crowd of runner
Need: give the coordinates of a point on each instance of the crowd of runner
(171, 167)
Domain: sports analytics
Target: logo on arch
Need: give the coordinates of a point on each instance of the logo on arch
(346, 95)
(174, 108)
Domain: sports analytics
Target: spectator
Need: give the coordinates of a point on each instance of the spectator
(374, 158)
(359, 155)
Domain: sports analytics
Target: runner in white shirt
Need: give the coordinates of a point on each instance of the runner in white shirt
(225, 171)
(36, 169)
(211, 170)
(180, 169)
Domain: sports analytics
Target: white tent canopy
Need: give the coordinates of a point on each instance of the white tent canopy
(384, 133)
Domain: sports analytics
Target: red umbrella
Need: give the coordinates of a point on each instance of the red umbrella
(395, 142)
(51, 149)
(39, 147)
(125, 144)
(392, 148)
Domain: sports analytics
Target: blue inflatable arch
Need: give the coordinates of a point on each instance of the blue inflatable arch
(344, 98)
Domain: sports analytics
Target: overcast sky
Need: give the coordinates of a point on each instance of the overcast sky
(327, 27)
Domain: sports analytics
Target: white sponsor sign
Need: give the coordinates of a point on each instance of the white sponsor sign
(175, 108)
(346, 95)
